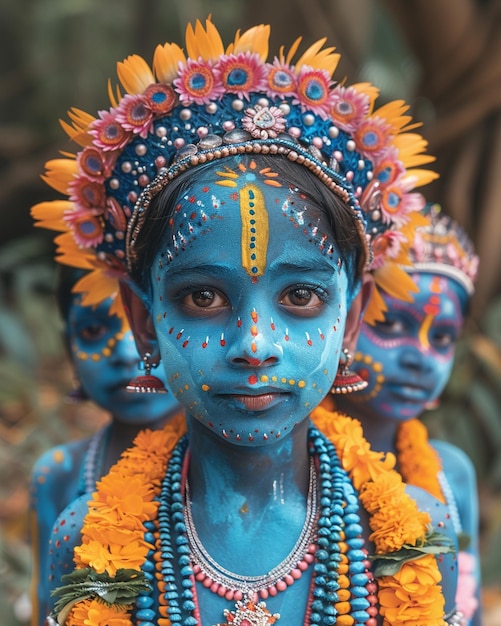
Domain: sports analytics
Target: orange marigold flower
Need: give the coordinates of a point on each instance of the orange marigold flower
(124, 497)
(394, 527)
(412, 596)
(385, 490)
(353, 449)
(96, 613)
(110, 557)
(419, 462)
(93, 554)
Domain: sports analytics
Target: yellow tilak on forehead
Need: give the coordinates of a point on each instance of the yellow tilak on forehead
(253, 213)
(432, 309)
(255, 230)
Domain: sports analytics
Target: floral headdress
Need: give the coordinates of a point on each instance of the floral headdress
(211, 102)
(442, 247)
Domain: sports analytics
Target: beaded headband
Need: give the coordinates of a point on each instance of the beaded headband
(214, 103)
(442, 247)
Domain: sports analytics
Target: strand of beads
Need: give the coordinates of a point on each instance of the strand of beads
(341, 579)
(342, 590)
(234, 586)
(170, 513)
(144, 602)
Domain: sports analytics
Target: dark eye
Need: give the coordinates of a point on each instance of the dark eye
(93, 332)
(390, 327)
(301, 301)
(443, 339)
(207, 299)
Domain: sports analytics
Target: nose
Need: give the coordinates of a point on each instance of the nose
(253, 343)
(124, 351)
(413, 358)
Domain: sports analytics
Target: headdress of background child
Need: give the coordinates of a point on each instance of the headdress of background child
(214, 102)
(442, 247)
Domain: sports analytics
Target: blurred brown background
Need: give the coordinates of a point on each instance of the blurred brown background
(442, 56)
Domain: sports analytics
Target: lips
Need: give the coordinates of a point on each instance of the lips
(255, 399)
(408, 391)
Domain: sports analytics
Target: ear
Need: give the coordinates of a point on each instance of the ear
(136, 307)
(356, 313)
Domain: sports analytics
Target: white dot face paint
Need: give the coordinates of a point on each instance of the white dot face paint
(249, 305)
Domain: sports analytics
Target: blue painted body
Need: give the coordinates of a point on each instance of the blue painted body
(407, 361)
(104, 359)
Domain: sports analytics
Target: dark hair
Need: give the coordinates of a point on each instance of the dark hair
(339, 216)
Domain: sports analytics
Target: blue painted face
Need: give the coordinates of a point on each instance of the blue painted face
(407, 359)
(105, 359)
(249, 305)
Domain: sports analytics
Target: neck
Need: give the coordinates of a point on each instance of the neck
(248, 500)
(257, 473)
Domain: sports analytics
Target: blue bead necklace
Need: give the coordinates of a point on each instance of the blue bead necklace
(340, 567)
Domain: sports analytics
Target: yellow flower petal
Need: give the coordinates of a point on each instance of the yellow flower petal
(319, 59)
(50, 214)
(60, 173)
(166, 60)
(204, 43)
(135, 74)
(256, 39)
(395, 281)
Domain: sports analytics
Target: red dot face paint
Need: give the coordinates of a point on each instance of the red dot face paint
(242, 344)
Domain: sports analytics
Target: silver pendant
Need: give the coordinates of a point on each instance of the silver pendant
(249, 613)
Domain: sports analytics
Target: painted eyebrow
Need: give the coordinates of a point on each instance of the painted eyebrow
(319, 267)
(216, 269)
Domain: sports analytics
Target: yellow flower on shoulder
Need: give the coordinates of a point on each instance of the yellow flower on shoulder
(94, 554)
(96, 613)
(412, 596)
(128, 502)
(104, 557)
(353, 449)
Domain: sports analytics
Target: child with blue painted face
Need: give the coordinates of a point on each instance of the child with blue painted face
(105, 359)
(238, 199)
(406, 359)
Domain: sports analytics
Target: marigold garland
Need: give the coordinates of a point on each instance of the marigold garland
(410, 596)
(418, 462)
(113, 531)
(413, 594)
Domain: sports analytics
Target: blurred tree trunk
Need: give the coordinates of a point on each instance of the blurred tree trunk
(458, 45)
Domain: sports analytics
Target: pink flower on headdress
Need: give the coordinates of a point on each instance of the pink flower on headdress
(88, 194)
(108, 133)
(242, 73)
(386, 246)
(349, 108)
(161, 98)
(86, 227)
(314, 91)
(388, 167)
(281, 80)
(198, 82)
(372, 137)
(95, 164)
(135, 115)
(396, 203)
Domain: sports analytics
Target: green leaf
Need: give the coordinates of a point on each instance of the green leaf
(390, 563)
(120, 590)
